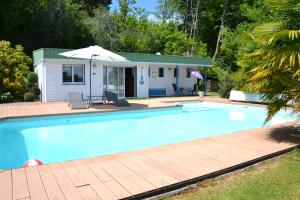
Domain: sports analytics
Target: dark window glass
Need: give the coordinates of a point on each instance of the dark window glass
(149, 71)
(188, 73)
(175, 72)
(78, 74)
(161, 72)
(67, 74)
(73, 74)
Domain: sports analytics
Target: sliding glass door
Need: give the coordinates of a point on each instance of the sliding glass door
(113, 80)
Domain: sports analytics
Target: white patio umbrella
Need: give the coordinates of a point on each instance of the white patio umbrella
(96, 53)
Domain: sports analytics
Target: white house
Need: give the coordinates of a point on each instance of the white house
(143, 76)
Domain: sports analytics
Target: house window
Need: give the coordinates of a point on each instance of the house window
(73, 74)
(161, 72)
(188, 73)
(175, 72)
(149, 71)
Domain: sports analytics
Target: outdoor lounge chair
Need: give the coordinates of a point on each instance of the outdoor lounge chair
(75, 101)
(112, 97)
(180, 91)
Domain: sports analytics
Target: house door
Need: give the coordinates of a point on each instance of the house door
(130, 82)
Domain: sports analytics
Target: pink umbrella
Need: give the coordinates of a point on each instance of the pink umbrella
(196, 74)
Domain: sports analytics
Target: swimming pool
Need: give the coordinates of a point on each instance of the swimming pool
(68, 137)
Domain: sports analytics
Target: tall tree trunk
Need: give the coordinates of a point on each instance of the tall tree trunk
(220, 36)
(195, 25)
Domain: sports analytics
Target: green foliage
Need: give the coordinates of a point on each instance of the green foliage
(91, 5)
(32, 78)
(44, 23)
(28, 96)
(270, 58)
(36, 91)
(32, 84)
(225, 85)
(14, 67)
(177, 44)
(6, 97)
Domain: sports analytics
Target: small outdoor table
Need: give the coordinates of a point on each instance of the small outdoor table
(97, 99)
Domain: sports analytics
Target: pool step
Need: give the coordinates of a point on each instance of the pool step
(194, 107)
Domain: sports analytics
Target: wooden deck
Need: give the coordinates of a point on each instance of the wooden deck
(53, 108)
(144, 172)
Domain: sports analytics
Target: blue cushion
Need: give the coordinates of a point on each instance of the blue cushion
(157, 92)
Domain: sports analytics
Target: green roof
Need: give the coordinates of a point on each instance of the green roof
(52, 53)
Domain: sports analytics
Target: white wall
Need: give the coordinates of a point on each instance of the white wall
(168, 79)
(39, 69)
(57, 91)
(53, 89)
(142, 89)
(236, 95)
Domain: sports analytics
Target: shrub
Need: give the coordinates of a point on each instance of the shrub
(36, 91)
(32, 86)
(28, 96)
(32, 78)
(6, 97)
(225, 85)
(14, 67)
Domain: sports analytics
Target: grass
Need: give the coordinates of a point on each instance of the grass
(212, 94)
(277, 179)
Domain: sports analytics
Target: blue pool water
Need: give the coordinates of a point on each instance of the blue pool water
(59, 138)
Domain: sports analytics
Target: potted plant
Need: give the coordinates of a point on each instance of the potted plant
(200, 88)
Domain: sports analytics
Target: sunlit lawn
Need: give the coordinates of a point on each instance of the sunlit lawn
(276, 179)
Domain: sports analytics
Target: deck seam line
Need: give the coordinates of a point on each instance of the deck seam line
(91, 185)
(52, 173)
(54, 179)
(42, 182)
(92, 171)
(135, 173)
(62, 166)
(113, 177)
(12, 186)
(27, 183)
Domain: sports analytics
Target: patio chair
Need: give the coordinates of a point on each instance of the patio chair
(113, 97)
(194, 91)
(180, 91)
(75, 101)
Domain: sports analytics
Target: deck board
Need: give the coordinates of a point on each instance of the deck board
(6, 190)
(66, 185)
(35, 184)
(20, 186)
(51, 186)
(96, 184)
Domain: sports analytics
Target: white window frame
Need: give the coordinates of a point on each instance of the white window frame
(72, 69)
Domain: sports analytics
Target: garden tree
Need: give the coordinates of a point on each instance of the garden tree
(44, 23)
(166, 10)
(270, 57)
(104, 28)
(221, 31)
(91, 5)
(232, 37)
(14, 67)
(187, 13)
